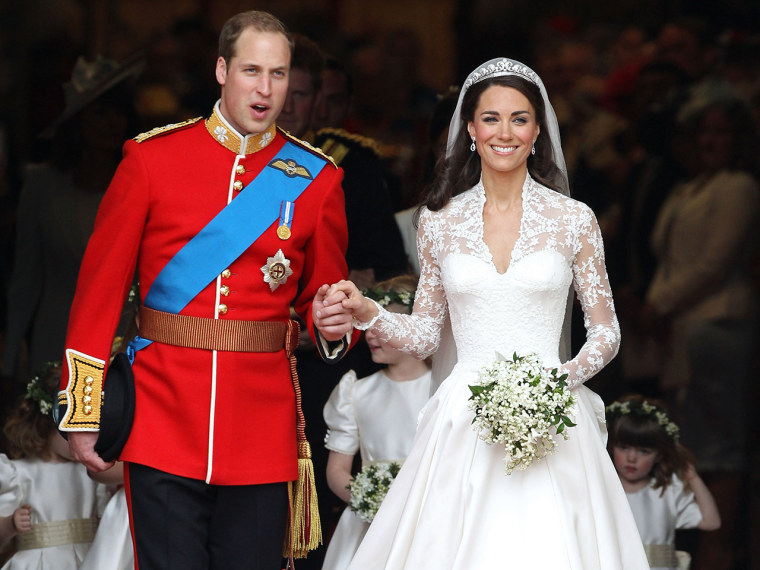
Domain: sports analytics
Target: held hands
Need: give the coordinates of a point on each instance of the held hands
(82, 444)
(361, 308)
(335, 306)
(332, 320)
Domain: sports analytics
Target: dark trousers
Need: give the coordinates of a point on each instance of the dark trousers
(181, 523)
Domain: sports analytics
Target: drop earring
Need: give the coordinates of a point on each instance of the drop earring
(533, 150)
(472, 146)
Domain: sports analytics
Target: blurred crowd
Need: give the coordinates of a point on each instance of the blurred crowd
(660, 133)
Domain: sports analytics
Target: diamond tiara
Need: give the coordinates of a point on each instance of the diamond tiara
(501, 67)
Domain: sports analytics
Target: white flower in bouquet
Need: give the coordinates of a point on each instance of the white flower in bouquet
(369, 487)
(522, 405)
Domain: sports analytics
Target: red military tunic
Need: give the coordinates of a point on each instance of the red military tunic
(225, 417)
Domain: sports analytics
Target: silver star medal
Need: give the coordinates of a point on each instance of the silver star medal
(277, 270)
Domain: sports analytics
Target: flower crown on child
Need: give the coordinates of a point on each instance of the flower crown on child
(385, 298)
(35, 389)
(643, 409)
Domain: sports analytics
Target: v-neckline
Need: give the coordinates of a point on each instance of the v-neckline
(483, 201)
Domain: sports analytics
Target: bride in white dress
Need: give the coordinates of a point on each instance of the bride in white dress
(500, 243)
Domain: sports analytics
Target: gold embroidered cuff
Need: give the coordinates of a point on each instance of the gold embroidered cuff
(84, 392)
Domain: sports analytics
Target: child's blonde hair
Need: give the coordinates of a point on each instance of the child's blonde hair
(29, 426)
(644, 422)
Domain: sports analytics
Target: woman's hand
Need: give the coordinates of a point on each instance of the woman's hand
(362, 309)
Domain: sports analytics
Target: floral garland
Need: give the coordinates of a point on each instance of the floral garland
(385, 298)
(522, 405)
(643, 409)
(36, 392)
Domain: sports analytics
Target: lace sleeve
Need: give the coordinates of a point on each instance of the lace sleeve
(419, 333)
(593, 288)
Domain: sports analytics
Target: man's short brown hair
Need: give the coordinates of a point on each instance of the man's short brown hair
(258, 20)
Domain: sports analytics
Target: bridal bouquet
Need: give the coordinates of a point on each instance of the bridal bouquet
(522, 405)
(369, 487)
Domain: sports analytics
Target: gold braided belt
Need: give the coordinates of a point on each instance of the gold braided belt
(212, 334)
(56, 533)
(661, 555)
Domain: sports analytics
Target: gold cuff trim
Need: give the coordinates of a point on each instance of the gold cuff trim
(332, 351)
(84, 392)
(56, 533)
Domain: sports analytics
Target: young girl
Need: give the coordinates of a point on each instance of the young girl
(112, 546)
(376, 416)
(663, 489)
(47, 502)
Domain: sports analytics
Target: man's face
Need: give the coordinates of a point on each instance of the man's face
(299, 104)
(333, 101)
(255, 80)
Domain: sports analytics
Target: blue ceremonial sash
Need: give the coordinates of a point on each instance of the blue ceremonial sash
(231, 232)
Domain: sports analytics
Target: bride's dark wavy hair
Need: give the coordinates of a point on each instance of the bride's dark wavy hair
(461, 170)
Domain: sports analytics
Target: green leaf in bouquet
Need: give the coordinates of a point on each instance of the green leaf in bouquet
(567, 421)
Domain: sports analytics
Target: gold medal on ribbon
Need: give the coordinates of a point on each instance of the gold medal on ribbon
(286, 218)
(283, 232)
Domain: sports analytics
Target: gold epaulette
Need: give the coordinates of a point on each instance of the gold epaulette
(308, 146)
(83, 393)
(165, 129)
(361, 140)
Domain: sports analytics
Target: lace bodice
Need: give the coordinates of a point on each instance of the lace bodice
(521, 310)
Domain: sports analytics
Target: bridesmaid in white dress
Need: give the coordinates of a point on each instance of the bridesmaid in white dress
(112, 547)
(48, 504)
(500, 243)
(376, 416)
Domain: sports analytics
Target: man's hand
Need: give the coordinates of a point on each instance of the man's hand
(82, 444)
(330, 317)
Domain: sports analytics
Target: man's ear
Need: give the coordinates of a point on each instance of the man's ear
(221, 71)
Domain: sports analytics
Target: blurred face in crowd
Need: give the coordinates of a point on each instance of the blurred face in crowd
(715, 140)
(682, 48)
(333, 101)
(104, 125)
(299, 104)
(254, 81)
(504, 126)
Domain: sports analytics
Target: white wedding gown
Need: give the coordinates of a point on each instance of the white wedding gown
(452, 506)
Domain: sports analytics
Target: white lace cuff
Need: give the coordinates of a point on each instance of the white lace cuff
(363, 326)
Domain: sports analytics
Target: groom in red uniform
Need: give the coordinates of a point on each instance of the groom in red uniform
(230, 222)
